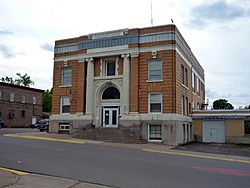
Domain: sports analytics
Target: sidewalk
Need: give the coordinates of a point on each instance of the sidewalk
(14, 180)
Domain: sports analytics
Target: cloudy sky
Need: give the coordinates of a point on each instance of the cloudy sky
(218, 32)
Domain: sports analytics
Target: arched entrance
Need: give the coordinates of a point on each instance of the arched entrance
(110, 107)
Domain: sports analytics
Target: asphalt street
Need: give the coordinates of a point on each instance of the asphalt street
(120, 167)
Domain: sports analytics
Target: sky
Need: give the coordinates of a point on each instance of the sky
(218, 32)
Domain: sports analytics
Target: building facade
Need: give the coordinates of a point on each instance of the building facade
(222, 126)
(20, 106)
(145, 81)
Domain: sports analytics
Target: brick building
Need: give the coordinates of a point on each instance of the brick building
(144, 81)
(221, 126)
(20, 106)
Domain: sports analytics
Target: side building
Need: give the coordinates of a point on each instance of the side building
(144, 81)
(20, 106)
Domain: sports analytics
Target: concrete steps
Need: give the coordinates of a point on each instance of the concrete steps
(109, 135)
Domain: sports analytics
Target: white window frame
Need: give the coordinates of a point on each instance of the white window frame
(149, 96)
(23, 99)
(153, 140)
(64, 127)
(149, 71)
(12, 97)
(34, 100)
(61, 102)
(63, 79)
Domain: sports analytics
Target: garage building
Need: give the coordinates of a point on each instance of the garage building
(221, 126)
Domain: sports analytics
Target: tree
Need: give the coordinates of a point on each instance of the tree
(23, 80)
(247, 107)
(222, 104)
(47, 101)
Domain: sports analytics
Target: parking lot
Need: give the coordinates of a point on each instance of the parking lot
(224, 149)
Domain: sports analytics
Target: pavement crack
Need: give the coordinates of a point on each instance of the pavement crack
(17, 177)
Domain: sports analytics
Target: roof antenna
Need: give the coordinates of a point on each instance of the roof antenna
(152, 14)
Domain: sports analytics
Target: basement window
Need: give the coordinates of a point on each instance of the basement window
(155, 132)
(64, 127)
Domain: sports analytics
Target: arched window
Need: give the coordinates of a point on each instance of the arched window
(111, 93)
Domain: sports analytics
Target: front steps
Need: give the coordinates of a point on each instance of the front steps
(109, 135)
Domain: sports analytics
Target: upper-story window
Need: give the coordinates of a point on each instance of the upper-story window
(110, 67)
(34, 100)
(155, 102)
(186, 77)
(193, 82)
(155, 70)
(66, 76)
(182, 75)
(12, 97)
(23, 99)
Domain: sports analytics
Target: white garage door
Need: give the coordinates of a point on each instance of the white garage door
(214, 131)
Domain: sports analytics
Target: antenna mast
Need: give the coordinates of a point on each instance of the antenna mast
(152, 14)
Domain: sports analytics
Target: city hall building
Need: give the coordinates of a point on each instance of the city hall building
(142, 81)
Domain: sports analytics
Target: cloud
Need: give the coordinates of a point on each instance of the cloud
(5, 32)
(7, 52)
(47, 47)
(218, 11)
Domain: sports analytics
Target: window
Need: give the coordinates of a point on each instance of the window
(110, 67)
(12, 97)
(193, 82)
(247, 127)
(66, 76)
(23, 99)
(64, 127)
(23, 112)
(186, 77)
(155, 70)
(186, 106)
(34, 100)
(111, 93)
(155, 133)
(155, 101)
(0, 95)
(182, 75)
(183, 105)
(65, 104)
(184, 132)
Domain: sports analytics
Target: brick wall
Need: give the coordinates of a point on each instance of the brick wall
(77, 88)
(17, 113)
(165, 86)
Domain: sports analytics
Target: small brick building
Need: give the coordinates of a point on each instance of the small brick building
(222, 126)
(143, 80)
(20, 106)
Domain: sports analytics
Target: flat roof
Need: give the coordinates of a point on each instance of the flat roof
(21, 87)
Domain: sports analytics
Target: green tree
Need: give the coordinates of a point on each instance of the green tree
(7, 79)
(23, 80)
(222, 104)
(47, 101)
(247, 107)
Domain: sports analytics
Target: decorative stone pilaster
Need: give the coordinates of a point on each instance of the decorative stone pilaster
(90, 87)
(126, 83)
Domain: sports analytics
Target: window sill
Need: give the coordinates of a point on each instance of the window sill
(155, 141)
(184, 86)
(150, 81)
(65, 86)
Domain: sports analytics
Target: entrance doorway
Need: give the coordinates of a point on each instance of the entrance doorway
(110, 116)
(110, 107)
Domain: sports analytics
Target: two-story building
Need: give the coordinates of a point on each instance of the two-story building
(20, 106)
(145, 81)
